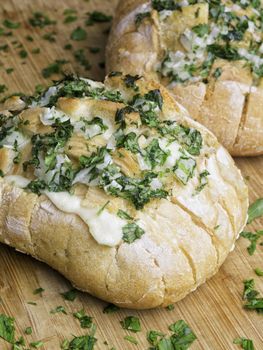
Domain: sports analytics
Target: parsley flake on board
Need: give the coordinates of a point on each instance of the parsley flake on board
(39, 290)
(246, 344)
(131, 323)
(255, 210)
(97, 17)
(251, 296)
(131, 339)
(85, 342)
(41, 20)
(182, 337)
(10, 24)
(110, 308)
(253, 238)
(70, 295)
(78, 34)
(53, 68)
(59, 309)
(7, 329)
(85, 321)
(259, 272)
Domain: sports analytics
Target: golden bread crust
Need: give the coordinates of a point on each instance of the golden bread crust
(187, 237)
(229, 106)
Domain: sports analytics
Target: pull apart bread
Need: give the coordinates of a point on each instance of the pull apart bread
(208, 53)
(116, 188)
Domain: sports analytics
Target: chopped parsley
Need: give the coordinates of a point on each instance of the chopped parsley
(3, 88)
(37, 344)
(253, 238)
(184, 169)
(10, 24)
(131, 339)
(259, 272)
(203, 181)
(78, 34)
(246, 344)
(131, 232)
(40, 20)
(131, 323)
(39, 290)
(123, 215)
(97, 17)
(28, 330)
(53, 68)
(7, 329)
(182, 337)
(70, 295)
(110, 308)
(128, 141)
(254, 302)
(255, 210)
(59, 309)
(154, 155)
(85, 342)
(85, 321)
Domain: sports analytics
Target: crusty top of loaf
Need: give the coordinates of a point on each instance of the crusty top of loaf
(208, 53)
(119, 172)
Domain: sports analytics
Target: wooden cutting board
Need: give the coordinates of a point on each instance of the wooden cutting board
(214, 311)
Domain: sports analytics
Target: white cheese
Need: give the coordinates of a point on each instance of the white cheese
(17, 180)
(105, 228)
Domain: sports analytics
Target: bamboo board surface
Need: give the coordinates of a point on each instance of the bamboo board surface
(214, 311)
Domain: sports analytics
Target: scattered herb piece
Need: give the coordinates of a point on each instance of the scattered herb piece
(39, 290)
(70, 295)
(40, 20)
(253, 238)
(59, 309)
(23, 54)
(31, 303)
(29, 38)
(53, 68)
(246, 344)
(85, 342)
(170, 307)
(28, 330)
(131, 339)
(85, 321)
(110, 308)
(251, 295)
(255, 210)
(3, 88)
(130, 81)
(36, 344)
(9, 70)
(258, 271)
(10, 24)
(97, 16)
(7, 329)
(131, 323)
(79, 34)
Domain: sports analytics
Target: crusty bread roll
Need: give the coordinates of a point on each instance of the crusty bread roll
(116, 188)
(208, 53)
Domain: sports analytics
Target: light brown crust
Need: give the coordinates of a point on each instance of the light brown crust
(187, 237)
(230, 107)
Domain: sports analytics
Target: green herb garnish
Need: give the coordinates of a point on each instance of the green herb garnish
(255, 210)
(79, 34)
(253, 238)
(246, 344)
(70, 295)
(131, 323)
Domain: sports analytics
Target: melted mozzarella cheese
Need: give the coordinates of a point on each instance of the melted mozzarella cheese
(105, 228)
